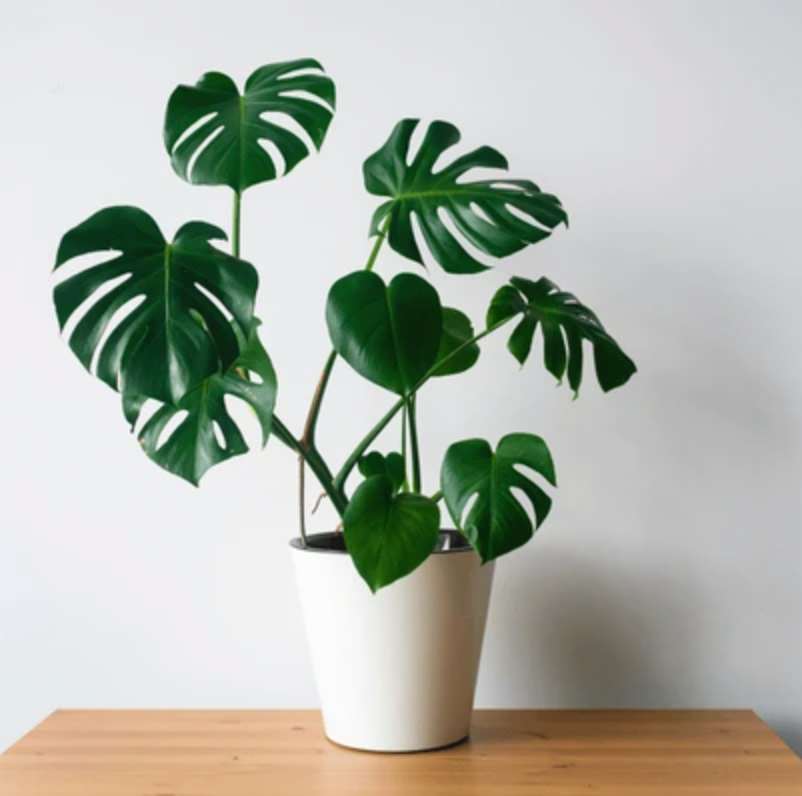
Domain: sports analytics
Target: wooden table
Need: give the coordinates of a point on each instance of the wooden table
(510, 753)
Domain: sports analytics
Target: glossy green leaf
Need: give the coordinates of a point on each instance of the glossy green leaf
(457, 353)
(176, 336)
(390, 334)
(391, 465)
(565, 324)
(496, 522)
(389, 535)
(192, 447)
(214, 134)
(497, 216)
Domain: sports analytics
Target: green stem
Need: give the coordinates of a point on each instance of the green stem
(413, 444)
(357, 453)
(316, 462)
(374, 252)
(405, 485)
(437, 496)
(236, 224)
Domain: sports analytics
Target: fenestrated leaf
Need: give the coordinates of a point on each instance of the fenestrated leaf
(391, 465)
(390, 334)
(565, 324)
(192, 447)
(213, 133)
(480, 210)
(496, 522)
(176, 337)
(389, 535)
(459, 354)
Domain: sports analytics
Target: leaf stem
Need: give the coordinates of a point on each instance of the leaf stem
(356, 454)
(413, 444)
(236, 224)
(404, 446)
(314, 408)
(380, 236)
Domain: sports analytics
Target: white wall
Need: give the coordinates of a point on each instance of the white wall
(670, 573)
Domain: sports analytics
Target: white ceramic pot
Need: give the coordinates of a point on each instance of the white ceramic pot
(396, 670)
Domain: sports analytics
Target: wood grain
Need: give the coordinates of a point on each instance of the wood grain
(510, 753)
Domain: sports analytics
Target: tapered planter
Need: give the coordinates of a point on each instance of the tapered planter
(396, 670)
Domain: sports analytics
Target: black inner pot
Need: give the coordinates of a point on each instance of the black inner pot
(334, 542)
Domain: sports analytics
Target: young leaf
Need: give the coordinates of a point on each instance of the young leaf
(565, 324)
(459, 356)
(192, 447)
(390, 334)
(391, 466)
(389, 535)
(493, 229)
(496, 523)
(176, 337)
(226, 148)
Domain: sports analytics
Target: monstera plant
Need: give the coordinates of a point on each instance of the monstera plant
(170, 324)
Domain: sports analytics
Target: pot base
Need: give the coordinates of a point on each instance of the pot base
(416, 751)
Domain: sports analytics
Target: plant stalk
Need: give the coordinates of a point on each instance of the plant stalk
(374, 252)
(413, 443)
(236, 224)
(405, 485)
(314, 408)
(315, 461)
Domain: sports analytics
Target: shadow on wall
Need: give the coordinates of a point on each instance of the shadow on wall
(590, 634)
(598, 638)
(790, 731)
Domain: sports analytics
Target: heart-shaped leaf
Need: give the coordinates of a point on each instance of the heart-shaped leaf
(214, 134)
(391, 465)
(389, 535)
(565, 324)
(496, 522)
(176, 336)
(498, 216)
(193, 446)
(457, 353)
(390, 334)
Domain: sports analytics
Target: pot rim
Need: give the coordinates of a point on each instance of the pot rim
(450, 533)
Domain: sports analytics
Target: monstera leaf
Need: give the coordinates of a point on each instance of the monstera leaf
(457, 351)
(496, 522)
(389, 534)
(498, 216)
(213, 133)
(192, 447)
(390, 334)
(176, 336)
(565, 324)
